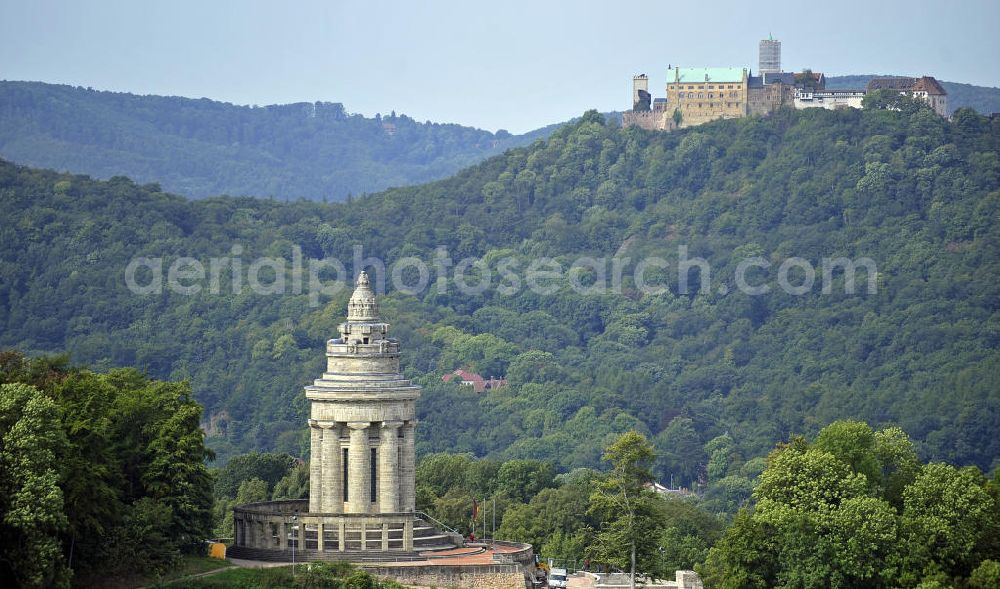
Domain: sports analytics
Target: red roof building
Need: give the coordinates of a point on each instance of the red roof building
(477, 382)
(925, 87)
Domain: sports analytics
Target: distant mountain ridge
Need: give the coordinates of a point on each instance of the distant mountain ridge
(317, 151)
(201, 147)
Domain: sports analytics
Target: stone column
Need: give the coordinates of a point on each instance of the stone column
(315, 467)
(408, 535)
(341, 536)
(388, 467)
(359, 471)
(332, 477)
(407, 469)
(319, 536)
(283, 536)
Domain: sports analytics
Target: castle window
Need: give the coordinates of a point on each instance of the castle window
(711, 94)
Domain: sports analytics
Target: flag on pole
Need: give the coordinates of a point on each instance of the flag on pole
(475, 509)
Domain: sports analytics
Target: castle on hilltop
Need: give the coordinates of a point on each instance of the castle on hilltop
(699, 95)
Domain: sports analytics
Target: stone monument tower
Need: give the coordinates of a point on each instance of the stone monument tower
(361, 473)
(363, 419)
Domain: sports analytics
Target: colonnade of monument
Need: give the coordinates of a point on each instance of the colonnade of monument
(339, 487)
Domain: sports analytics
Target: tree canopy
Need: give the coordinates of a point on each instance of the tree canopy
(101, 474)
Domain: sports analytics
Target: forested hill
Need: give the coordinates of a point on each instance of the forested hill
(316, 151)
(198, 148)
(918, 195)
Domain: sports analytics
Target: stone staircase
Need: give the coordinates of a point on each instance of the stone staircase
(427, 538)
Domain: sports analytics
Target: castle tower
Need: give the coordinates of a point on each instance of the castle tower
(362, 419)
(769, 56)
(640, 85)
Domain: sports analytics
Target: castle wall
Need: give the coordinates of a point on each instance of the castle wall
(648, 120)
(768, 98)
(701, 102)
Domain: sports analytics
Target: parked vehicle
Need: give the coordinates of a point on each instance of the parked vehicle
(557, 578)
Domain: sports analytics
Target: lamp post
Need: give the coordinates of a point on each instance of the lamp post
(295, 534)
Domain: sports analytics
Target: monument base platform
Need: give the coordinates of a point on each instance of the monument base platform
(272, 530)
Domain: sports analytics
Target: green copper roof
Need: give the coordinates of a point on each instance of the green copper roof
(692, 75)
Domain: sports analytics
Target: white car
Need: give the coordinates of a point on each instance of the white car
(557, 578)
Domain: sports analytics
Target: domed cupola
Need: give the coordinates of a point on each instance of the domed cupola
(363, 306)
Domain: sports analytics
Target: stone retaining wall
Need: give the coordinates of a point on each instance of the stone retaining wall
(463, 577)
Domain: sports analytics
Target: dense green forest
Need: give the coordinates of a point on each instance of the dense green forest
(203, 148)
(102, 476)
(713, 379)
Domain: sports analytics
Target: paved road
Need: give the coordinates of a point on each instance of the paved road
(579, 581)
(258, 564)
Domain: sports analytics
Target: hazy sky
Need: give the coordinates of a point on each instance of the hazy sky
(513, 65)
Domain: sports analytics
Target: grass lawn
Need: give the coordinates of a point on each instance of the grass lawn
(272, 578)
(193, 565)
(188, 565)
